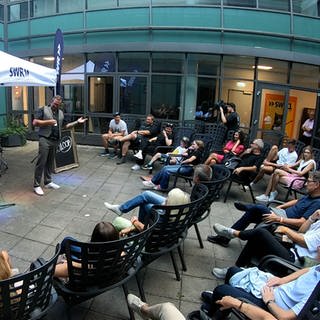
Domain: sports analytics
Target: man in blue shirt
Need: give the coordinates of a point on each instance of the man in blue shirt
(293, 213)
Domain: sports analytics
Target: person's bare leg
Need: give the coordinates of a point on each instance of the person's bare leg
(264, 170)
(273, 154)
(125, 148)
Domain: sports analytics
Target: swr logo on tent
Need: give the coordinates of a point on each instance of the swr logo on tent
(19, 72)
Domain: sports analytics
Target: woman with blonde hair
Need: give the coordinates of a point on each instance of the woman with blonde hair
(145, 201)
(5, 266)
(289, 173)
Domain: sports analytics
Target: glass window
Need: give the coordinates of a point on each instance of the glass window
(203, 64)
(133, 62)
(103, 62)
(167, 62)
(43, 7)
(70, 5)
(101, 94)
(18, 11)
(240, 3)
(206, 96)
(239, 67)
(274, 4)
(19, 97)
(1, 12)
(186, 2)
(272, 71)
(241, 94)
(100, 4)
(307, 7)
(304, 75)
(133, 94)
(133, 3)
(167, 104)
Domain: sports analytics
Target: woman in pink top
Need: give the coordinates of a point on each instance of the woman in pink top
(233, 147)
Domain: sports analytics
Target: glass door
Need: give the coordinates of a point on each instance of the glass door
(274, 113)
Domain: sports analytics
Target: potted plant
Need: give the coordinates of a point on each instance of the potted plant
(14, 134)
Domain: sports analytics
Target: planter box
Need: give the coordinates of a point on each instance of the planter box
(14, 140)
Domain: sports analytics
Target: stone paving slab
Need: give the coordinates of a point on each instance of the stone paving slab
(36, 224)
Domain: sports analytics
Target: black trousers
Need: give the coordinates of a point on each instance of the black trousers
(261, 242)
(45, 161)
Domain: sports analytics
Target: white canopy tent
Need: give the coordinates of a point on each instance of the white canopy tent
(18, 72)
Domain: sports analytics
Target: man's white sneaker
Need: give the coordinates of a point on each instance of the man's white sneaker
(38, 191)
(219, 273)
(135, 167)
(138, 155)
(273, 195)
(148, 184)
(113, 207)
(223, 231)
(262, 198)
(135, 303)
(52, 185)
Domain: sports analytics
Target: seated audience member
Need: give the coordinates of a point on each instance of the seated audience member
(117, 128)
(175, 155)
(140, 137)
(295, 245)
(191, 158)
(5, 266)
(147, 199)
(102, 232)
(288, 173)
(283, 297)
(161, 311)
(164, 138)
(233, 147)
(293, 213)
(277, 159)
(251, 160)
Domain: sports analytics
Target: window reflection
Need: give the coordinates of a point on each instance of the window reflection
(165, 97)
(133, 93)
(167, 62)
(103, 62)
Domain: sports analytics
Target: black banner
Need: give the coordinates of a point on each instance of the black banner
(58, 54)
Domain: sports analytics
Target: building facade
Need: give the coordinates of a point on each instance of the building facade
(170, 58)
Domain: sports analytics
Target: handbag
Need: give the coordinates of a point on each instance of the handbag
(231, 162)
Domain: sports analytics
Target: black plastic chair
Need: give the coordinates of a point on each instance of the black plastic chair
(220, 174)
(29, 295)
(218, 133)
(98, 267)
(171, 230)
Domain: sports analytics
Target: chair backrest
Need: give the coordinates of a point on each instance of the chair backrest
(180, 132)
(299, 147)
(94, 267)
(266, 149)
(218, 133)
(28, 295)
(220, 175)
(311, 310)
(173, 223)
(272, 137)
(316, 155)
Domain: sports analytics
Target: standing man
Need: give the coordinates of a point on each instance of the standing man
(231, 119)
(307, 128)
(117, 128)
(50, 120)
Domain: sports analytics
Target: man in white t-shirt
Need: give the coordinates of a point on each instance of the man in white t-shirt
(117, 128)
(277, 158)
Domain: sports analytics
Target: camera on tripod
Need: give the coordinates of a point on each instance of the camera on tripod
(220, 103)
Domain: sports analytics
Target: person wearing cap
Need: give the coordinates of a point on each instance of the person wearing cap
(117, 128)
(173, 155)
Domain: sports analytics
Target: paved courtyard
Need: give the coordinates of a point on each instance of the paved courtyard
(35, 224)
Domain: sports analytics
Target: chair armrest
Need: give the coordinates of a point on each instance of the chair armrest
(274, 201)
(274, 264)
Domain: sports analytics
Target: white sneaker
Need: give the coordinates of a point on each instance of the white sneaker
(135, 303)
(219, 273)
(38, 191)
(148, 184)
(113, 207)
(139, 155)
(262, 198)
(273, 195)
(223, 231)
(135, 167)
(52, 185)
